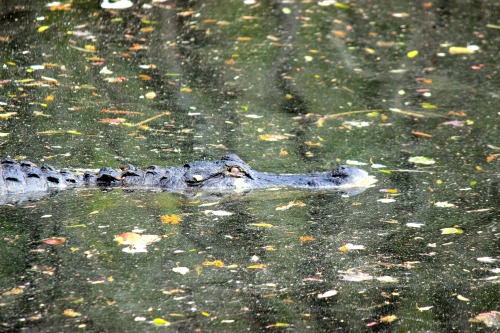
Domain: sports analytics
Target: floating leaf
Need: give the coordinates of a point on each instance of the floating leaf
(171, 219)
(387, 279)
(218, 212)
(13, 291)
(455, 123)
(305, 239)
(350, 246)
(356, 277)
(490, 319)
(462, 50)
(136, 242)
(172, 291)
(388, 319)
(356, 123)
(150, 95)
(378, 166)
(352, 162)
(486, 259)
(412, 54)
(328, 293)
(424, 308)
(105, 71)
(160, 322)
(444, 204)
(429, 106)
(462, 298)
(71, 313)
(253, 116)
(43, 28)
(7, 115)
(54, 240)
(3, 134)
(421, 160)
(425, 135)
(113, 120)
(258, 266)
(181, 270)
(272, 137)
(386, 200)
(264, 225)
(414, 225)
(216, 263)
(449, 231)
(290, 205)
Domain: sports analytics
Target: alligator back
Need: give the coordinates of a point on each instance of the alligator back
(26, 177)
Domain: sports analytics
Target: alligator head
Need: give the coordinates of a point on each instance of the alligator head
(228, 173)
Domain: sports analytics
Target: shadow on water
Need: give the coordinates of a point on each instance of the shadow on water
(291, 87)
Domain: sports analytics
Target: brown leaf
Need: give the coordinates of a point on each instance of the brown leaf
(388, 319)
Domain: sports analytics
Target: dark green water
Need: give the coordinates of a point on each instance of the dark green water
(227, 77)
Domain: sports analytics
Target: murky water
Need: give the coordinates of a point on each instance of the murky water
(290, 87)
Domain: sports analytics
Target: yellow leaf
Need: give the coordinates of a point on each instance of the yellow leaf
(305, 239)
(186, 89)
(313, 144)
(412, 54)
(147, 29)
(272, 137)
(290, 205)
(7, 115)
(460, 50)
(171, 219)
(13, 291)
(388, 319)
(264, 225)
(216, 263)
(90, 48)
(71, 313)
(258, 266)
(449, 231)
(462, 298)
(160, 321)
(43, 28)
(429, 106)
(206, 314)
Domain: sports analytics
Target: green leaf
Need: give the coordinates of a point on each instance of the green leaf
(342, 5)
(421, 160)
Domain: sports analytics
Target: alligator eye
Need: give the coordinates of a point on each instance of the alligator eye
(235, 171)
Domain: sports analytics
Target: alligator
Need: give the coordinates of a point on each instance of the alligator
(21, 180)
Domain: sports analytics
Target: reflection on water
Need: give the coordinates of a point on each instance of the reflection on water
(291, 88)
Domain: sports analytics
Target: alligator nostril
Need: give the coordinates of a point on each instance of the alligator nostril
(53, 180)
